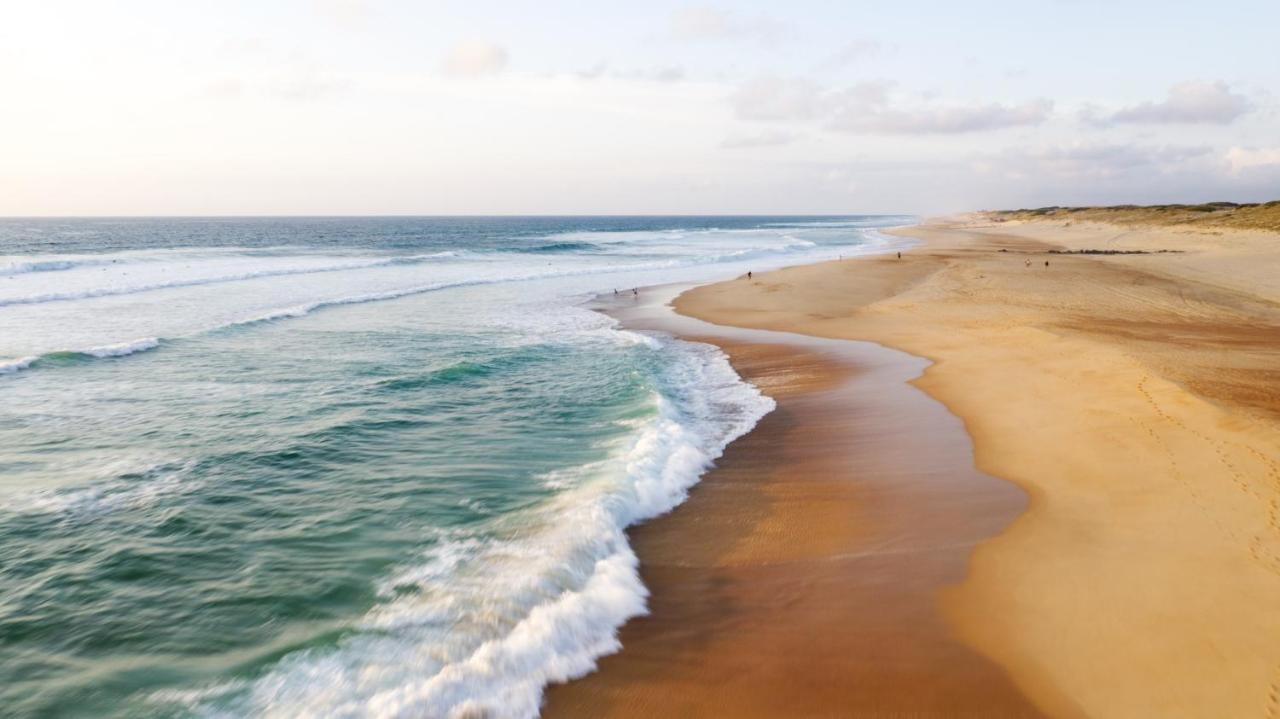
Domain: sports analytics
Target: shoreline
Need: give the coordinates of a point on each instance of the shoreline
(1134, 398)
(803, 572)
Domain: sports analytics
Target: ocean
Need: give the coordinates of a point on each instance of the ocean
(346, 467)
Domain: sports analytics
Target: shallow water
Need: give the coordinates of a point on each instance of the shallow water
(345, 467)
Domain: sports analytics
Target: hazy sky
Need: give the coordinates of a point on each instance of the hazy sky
(386, 107)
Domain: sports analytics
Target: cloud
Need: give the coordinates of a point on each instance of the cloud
(305, 84)
(1084, 161)
(1116, 172)
(772, 98)
(475, 59)
(595, 71)
(854, 51)
(1247, 159)
(225, 87)
(771, 138)
(1188, 102)
(881, 117)
(243, 46)
(345, 12)
(661, 73)
(704, 22)
(300, 83)
(871, 107)
(672, 73)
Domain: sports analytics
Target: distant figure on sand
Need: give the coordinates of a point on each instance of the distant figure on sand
(748, 274)
(1046, 263)
(899, 255)
(635, 291)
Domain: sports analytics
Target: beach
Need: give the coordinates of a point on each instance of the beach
(1132, 399)
(684, 360)
(784, 587)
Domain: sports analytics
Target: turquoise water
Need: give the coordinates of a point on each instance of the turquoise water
(335, 467)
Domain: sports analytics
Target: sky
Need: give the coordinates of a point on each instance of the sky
(336, 107)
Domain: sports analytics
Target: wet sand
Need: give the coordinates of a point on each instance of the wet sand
(803, 575)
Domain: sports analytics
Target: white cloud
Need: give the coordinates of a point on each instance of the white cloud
(225, 87)
(295, 83)
(770, 138)
(1187, 102)
(1244, 159)
(872, 110)
(704, 22)
(660, 73)
(771, 98)
(871, 107)
(304, 84)
(345, 12)
(671, 73)
(1083, 161)
(475, 59)
(854, 51)
(595, 71)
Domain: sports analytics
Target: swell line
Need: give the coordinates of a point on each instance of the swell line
(301, 310)
(119, 349)
(115, 291)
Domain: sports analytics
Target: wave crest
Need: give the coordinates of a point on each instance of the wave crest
(487, 621)
(120, 349)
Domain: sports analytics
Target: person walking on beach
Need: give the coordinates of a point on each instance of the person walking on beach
(748, 274)
(899, 255)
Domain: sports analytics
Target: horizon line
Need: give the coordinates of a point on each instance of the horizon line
(452, 215)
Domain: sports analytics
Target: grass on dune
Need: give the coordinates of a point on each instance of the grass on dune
(1254, 216)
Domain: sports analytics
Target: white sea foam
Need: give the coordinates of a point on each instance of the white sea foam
(639, 257)
(309, 307)
(16, 365)
(172, 257)
(119, 349)
(18, 268)
(776, 253)
(125, 483)
(26, 264)
(485, 622)
(114, 289)
(126, 348)
(122, 349)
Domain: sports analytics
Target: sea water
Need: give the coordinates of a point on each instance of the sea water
(346, 467)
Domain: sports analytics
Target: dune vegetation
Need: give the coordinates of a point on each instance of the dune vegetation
(1253, 216)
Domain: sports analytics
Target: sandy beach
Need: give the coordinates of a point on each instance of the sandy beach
(1133, 398)
(801, 577)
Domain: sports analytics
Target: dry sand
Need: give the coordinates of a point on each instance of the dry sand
(1136, 398)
